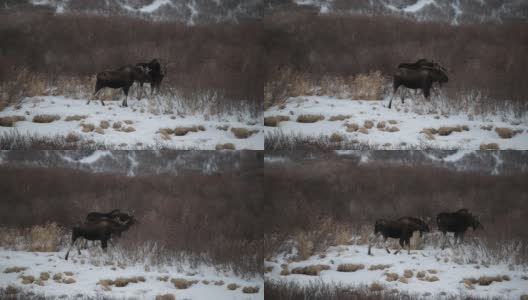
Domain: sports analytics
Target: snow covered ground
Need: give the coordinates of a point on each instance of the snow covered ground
(87, 274)
(403, 125)
(141, 116)
(449, 266)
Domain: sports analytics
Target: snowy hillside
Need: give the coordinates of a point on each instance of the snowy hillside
(188, 11)
(454, 12)
(87, 277)
(413, 125)
(429, 273)
(139, 126)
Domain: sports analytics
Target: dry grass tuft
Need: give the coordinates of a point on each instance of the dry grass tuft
(420, 275)
(312, 270)
(44, 276)
(45, 238)
(99, 130)
(128, 122)
(68, 281)
(352, 127)
(363, 130)
(392, 129)
(128, 129)
(232, 286)
(219, 282)
(486, 127)
(29, 279)
(87, 127)
(378, 267)
(350, 267)
(391, 276)
(403, 280)
(250, 289)
(242, 133)
(57, 276)
(14, 270)
(45, 118)
(381, 125)
(376, 287)
(368, 86)
(181, 283)
(505, 133)
(11, 120)
(117, 125)
(431, 278)
(222, 127)
(72, 138)
(165, 297)
(226, 146)
(339, 118)
(368, 124)
(273, 121)
(68, 273)
(104, 124)
(336, 138)
(206, 282)
(309, 118)
(75, 118)
(408, 273)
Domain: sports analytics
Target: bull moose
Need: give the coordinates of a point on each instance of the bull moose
(457, 222)
(419, 75)
(156, 74)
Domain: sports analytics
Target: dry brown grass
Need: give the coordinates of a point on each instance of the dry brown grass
(408, 273)
(485, 280)
(11, 120)
(14, 270)
(226, 146)
(242, 133)
(273, 121)
(381, 125)
(206, 282)
(104, 124)
(339, 118)
(181, 131)
(128, 129)
(27, 279)
(368, 86)
(45, 238)
(99, 130)
(312, 270)
(128, 122)
(376, 287)
(336, 138)
(363, 130)
(68, 281)
(44, 276)
(68, 273)
(392, 129)
(420, 274)
(391, 276)
(57, 276)
(87, 127)
(181, 283)
(165, 297)
(250, 289)
(105, 282)
(219, 282)
(506, 133)
(75, 118)
(353, 127)
(72, 138)
(45, 118)
(117, 125)
(368, 124)
(431, 278)
(232, 286)
(309, 118)
(350, 267)
(378, 267)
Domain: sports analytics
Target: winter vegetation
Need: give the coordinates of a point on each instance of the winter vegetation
(210, 83)
(197, 235)
(344, 76)
(324, 212)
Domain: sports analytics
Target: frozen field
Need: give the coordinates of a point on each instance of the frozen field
(86, 272)
(430, 273)
(409, 125)
(138, 126)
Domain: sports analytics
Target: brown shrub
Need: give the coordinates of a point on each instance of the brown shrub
(431, 278)
(68, 273)
(14, 270)
(363, 130)
(420, 274)
(27, 279)
(57, 276)
(181, 283)
(350, 267)
(376, 287)
(381, 125)
(45, 238)
(128, 129)
(432, 271)
(206, 282)
(336, 138)
(391, 276)
(285, 272)
(117, 125)
(128, 122)
(68, 281)
(352, 127)
(232, 286)
(250, 289)
(219, 282)
(241, 133)
(273, 121)
(226, 146)
(87, 127)
(44, 276)
(505, 133)
(392, 129)
(99, 130)
(368, 124)
(104, 124)
(72, 138)
(408, 273)
(165, 297)
(490, 146)
(75, 118)
(339, 118)
(309, 118)
(45, 118)
(378, 267)
(11, 120)
(312, 270)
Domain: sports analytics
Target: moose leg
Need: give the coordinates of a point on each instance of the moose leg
(125, 90)
(104, 244)
(461, 237)
(71, 246)
(374, 238)
(393, 93)
(445, 240)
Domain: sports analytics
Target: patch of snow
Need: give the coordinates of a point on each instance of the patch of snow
(155, 5)
(410, 118)
(95, 156)
(145, 118)
(420, 4)
(451, 266)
